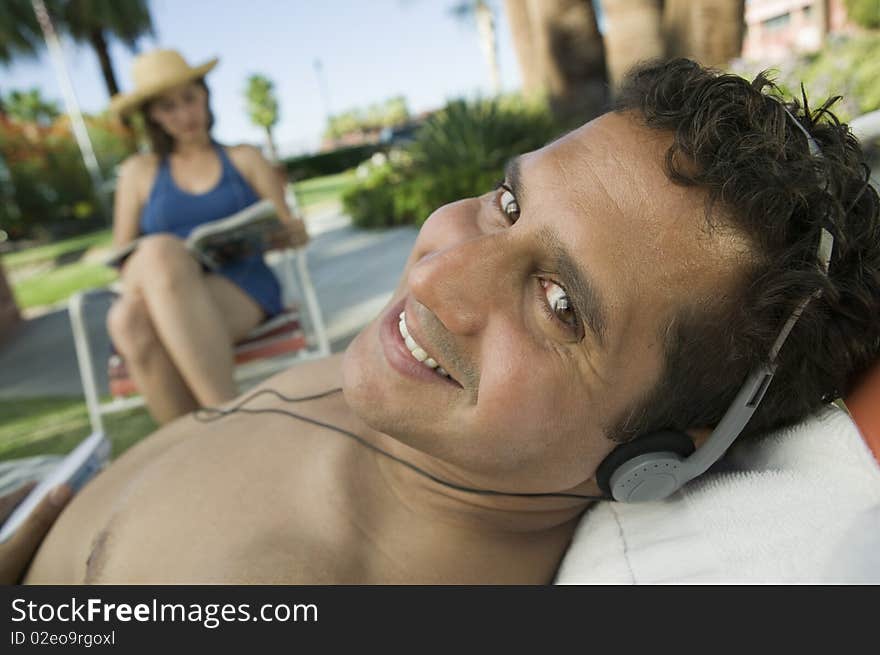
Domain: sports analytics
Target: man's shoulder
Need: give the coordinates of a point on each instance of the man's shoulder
(306, 379)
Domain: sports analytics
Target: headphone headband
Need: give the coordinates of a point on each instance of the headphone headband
(750, 395)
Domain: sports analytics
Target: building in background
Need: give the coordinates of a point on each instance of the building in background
(777, 28)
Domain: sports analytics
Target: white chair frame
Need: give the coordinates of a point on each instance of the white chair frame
(295, 274)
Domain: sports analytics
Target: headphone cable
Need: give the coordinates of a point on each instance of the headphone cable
(210, 414)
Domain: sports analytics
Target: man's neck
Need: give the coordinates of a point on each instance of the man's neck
(411, 528)
(491, 513)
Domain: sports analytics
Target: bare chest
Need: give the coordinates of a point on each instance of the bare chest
(225, 506)
(262, 500)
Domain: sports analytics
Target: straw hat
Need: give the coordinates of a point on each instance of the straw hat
(154, 73)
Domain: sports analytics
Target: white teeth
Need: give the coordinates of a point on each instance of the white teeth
(416, 350)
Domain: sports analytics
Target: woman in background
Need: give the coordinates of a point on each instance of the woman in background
(174, 323)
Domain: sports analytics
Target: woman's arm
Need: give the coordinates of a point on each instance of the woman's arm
(129, 198)
(269, 184)
(262, 176)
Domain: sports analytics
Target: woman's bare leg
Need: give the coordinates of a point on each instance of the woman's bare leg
(147, 361)
(196, 320)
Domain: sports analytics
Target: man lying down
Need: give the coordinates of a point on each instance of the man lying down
(630, 277)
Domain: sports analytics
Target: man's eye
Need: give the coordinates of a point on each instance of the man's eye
(560, 304)
(508, 204)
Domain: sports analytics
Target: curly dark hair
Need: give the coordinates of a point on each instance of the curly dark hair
(733, 138)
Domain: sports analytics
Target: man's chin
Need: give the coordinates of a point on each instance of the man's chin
(367, 387)
(361, 376)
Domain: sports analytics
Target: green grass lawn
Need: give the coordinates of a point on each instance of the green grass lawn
(61, 283)
(322, 190)
(52, 250)
(54, 426)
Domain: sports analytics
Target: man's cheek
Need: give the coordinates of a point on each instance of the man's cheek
(523, 415)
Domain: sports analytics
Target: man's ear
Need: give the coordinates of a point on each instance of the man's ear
(698, 435)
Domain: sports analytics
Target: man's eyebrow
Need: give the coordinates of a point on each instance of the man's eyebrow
(513, 177)
(588, 301)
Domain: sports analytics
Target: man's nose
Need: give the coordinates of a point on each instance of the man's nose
(463, 283)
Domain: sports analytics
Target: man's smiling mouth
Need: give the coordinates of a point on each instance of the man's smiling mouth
(419, 353)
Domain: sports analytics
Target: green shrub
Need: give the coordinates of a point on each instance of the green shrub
(327, 163)
(864, 12)
(846, 66)
(48, 189)
(370, 203)
(458, 153)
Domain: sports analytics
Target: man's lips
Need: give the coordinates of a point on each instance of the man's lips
(399, 354)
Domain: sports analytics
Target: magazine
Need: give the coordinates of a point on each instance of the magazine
(76, 468)
(215, 244)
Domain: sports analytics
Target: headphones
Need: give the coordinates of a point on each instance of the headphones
(653, 466)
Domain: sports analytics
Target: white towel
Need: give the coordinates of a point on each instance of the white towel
(799, 506)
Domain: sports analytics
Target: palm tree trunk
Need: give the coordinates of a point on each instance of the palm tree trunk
(273, 151)
(99, 45)
(710, 31)
(632, 34)
(486, 28)
(567, 50)
(521, 30)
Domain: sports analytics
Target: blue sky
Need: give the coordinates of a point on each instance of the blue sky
(369, 49)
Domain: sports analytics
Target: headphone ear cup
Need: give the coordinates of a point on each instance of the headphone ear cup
(665, 441)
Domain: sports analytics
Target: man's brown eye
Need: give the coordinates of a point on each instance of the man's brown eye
(508, 204)
(560, 303)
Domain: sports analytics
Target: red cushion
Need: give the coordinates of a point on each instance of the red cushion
(864, 405)
(279, 336)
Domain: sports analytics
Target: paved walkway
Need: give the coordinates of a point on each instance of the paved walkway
(353, 271)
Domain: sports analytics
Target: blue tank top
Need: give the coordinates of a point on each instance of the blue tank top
(170, 209)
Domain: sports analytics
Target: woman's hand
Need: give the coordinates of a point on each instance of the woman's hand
(292, 234)
(17, 551)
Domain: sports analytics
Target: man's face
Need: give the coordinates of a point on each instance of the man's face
(547, 305)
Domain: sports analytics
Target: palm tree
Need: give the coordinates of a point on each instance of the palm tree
(95, 21)
(20, 34)
(484, 15)
(710, 31)
(90, 21)
(262, 107)
(632, 34)
(560, 52)
(560, 49)
(19, 31)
